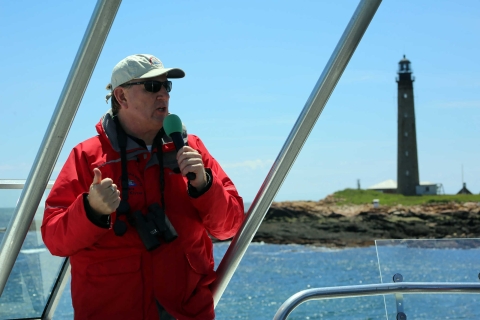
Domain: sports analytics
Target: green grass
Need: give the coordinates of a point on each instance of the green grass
(354, 196)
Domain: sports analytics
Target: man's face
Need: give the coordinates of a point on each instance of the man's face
(143, 108)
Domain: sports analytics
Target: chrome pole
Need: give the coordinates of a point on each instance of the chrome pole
(318, 98)
(374, 290)
(67, 106)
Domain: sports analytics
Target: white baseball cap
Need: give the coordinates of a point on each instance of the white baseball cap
(141, 66)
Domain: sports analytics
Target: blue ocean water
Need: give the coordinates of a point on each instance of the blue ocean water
(269, 274)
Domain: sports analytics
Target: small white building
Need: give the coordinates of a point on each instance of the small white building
(426, 188)
(387, 186)
(390, 186)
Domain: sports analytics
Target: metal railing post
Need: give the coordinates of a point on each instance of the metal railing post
(318, 98)
(67, 106)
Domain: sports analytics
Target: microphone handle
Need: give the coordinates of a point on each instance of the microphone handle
(179, 143)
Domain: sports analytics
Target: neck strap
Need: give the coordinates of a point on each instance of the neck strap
(120, 226)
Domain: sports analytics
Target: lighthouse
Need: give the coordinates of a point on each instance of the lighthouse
(407, 159)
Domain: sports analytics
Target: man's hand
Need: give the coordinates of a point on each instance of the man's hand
(103, 197)
(189, 160)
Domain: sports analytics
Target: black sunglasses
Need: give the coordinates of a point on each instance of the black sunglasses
(153, 85)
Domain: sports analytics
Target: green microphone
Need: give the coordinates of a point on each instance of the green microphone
(173, 128)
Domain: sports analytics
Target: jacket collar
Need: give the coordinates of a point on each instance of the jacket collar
(107, 127)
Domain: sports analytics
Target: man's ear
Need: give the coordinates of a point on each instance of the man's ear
(119, 94)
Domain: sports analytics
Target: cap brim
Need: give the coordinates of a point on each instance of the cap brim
(172, 73)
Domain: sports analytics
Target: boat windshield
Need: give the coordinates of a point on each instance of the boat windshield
(430, 260)
(34, 274)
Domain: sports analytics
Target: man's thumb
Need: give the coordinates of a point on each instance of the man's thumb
(98, 176)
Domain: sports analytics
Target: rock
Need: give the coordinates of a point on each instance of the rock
(323, 223)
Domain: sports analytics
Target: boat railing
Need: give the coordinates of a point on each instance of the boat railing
(18, 184)
(61, 280)
(375, 290)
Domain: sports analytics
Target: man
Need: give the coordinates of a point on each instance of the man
(135, 228)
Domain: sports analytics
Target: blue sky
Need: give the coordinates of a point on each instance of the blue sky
(251, 65)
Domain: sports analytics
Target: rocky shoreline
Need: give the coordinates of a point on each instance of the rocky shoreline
(323, 223)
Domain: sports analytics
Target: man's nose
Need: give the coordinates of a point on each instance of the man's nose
(163, 94)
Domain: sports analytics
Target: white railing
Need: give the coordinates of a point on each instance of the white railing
(374, 290)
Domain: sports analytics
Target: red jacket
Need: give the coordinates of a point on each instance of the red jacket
(114, 277)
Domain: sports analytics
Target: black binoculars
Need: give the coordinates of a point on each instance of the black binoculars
(154, 226)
